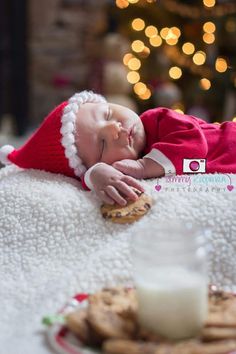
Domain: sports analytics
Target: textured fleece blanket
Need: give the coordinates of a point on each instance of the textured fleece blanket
(54, 243)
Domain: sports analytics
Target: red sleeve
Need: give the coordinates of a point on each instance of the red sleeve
(83, 183)
(179, 137)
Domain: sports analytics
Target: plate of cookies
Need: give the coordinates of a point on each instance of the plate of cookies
(106, 323)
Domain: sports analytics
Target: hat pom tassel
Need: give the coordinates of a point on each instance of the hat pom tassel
(4, 152)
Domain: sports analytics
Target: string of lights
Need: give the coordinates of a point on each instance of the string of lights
(188, 55)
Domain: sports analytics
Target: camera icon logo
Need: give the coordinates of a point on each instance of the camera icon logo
(194, 165)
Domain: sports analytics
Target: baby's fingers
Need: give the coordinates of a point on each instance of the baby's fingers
(133, 183)
(113, 193)
(126, 190)
(105, 198)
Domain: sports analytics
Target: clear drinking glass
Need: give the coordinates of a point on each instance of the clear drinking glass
(170, 274)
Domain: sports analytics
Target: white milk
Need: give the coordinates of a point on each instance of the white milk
(174, 304)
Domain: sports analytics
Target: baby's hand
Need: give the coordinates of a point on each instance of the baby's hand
(112, 185)
(142, 168)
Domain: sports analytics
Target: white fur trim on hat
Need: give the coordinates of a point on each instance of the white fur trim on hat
(67, 130)
(4, 152)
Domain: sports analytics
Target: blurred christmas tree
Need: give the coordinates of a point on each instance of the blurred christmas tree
(182, 54)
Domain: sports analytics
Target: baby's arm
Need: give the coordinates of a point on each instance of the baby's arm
(142, 168)
(110, 184)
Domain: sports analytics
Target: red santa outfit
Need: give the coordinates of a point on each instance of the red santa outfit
(172, 137)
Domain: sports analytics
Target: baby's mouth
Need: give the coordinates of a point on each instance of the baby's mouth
(127, 134)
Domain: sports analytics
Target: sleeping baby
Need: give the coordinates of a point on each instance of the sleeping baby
(108, 146)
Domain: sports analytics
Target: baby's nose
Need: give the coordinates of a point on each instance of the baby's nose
(113, 129)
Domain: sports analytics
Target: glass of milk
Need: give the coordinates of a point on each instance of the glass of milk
(170, 274)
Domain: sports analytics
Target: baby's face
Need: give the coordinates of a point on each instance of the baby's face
(107, 132)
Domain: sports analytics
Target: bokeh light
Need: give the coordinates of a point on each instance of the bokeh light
(140, 88)
(134, 64)
(221, 65)
(178, 110)
(188, 48)
(137, 46)
(138, 24)
(208, 38)
(133, 77)
(209, 27)
(199, 58)
(209, 3)
(151, 31)
(175, 72)
(205, 84)
(155, 41)
(122, 4)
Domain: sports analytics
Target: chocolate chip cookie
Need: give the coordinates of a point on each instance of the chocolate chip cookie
(111, 312)
(131, 212)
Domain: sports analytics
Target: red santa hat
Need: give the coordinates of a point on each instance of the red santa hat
(52, 147)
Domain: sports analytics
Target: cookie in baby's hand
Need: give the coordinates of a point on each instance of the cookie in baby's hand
(129, 213)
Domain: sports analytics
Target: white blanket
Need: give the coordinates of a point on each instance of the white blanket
(54, 243)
